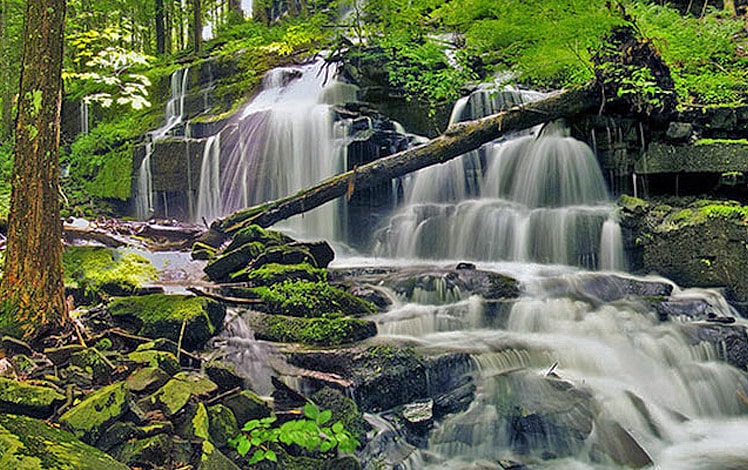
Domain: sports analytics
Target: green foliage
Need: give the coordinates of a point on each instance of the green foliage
(639, 84)
(102, 70)
(312, 299)
(273, 273)
(721, 142)
(6, 170)
(701, 53)
(546, 44)
(316, 331)
(311, 433)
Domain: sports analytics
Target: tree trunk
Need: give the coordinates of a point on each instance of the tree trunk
(6, 88)
(160, 28)
(197, 25)
(33, 298)
(457, 140)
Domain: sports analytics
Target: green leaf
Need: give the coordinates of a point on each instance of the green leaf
(324, 417)
(311, 411)
(257, 456)
(270, 455)
(243, 446)
(250, 425)
(337, 427)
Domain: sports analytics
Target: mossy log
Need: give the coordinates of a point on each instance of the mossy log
(457, 140)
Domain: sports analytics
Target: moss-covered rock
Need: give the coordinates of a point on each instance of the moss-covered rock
(312, 331)
(203, 251)
(274, 273)
(220, 268)
(27, 443)
(31, 400)
(246, 405)
(90, 418)
(93, 361)
(165, 361)
(343, 409)
(175, 394)
(312, 299)
(222, 424)
(149, 451)
(146, 379)
(224, 375)
(161, 316)
(255, 233)
(92, 271)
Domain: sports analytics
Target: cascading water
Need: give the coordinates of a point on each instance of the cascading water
(84, 117)
(174, 117)
(538, 198)
(286, 139)
(568, 381)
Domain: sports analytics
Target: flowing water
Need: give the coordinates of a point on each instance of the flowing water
(144, 203)
(286, 139)
(568, 375)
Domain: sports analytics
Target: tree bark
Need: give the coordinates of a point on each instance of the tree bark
(160, 27)
(197, 25)
(457, 140)
(33, 299)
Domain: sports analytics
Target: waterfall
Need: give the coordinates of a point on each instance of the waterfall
(539, 197)
(84, 117)
(209, 194)
(144, 202)
(286, 139)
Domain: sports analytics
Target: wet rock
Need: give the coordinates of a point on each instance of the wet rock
(203, 251)
(691, 309)
(679, 131)
(274, 273)
(224, 375)
(321, 252)
(257, 234)
(246, 405)
(730, 341)
(312, 331)
(89, 419)
(343, 409)
(419, 417)
(368, 293)
(162, 316)
(30, 400)
(29, 443)
(149, 451)
(116, 434)
(284, 254)
(102, 369)
(309, 300)
(618, 444)
(611, 287)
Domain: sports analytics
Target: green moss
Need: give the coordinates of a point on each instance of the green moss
(96, 270)
(33, 400)
(27, 443)
(163, 360)
(161, 316)
(704, 210)
(632, 204)
(222, 424)
(255, 233)
(89, 418)
(343, 409)
(175, 394)
(721, 141)
(274, 273)
(312, 299)
(314, 331)
(232, 260)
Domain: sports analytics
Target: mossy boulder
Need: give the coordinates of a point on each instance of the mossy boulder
(92, 271)
(343, 409)
(312, 299)
(146, 379)
(255, 233)
(31, 400)
(203, 251)
(101, 368)
(246, 405)
(176, 393)
(149, 451)
(312, 331)
(27, 443)
(274, 273)
(222, 424)
(224, 375)
(165, 361)
(199, 428)
(221, 268)
(90, 418)
(161, 316)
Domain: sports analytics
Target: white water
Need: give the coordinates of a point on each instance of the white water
(84, 117)
(144, 202)
(538, 197)
(286, 139)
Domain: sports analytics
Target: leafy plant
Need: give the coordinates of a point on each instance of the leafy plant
(261, 436)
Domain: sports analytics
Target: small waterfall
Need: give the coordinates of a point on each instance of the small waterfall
(144, 202)
(84, 117)
(538, 197)
(209, 193)
(286, 139)
(612, 257)
(570, 383)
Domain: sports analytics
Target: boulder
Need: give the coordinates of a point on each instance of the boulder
(310, 300)
(148, 451)
(89, 419)
(102, 369)
(176, 393)
(220, 268)
(312, 331)
(255, 233)
(30, 400)
(163, 360)
(274, 273)
(147, 379)
(27, 443)
(246, 405)
(224, 375)
(222, 425)
(162, 316)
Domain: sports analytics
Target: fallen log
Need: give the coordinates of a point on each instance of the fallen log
(456, 140)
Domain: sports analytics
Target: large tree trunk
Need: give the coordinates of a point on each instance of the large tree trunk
(33, 298)
(160, 27)
(6, 88)
(196, 32)
(457, 140)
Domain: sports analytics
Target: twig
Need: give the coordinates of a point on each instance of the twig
(220, 298)
(223, 395)
(181, 337)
